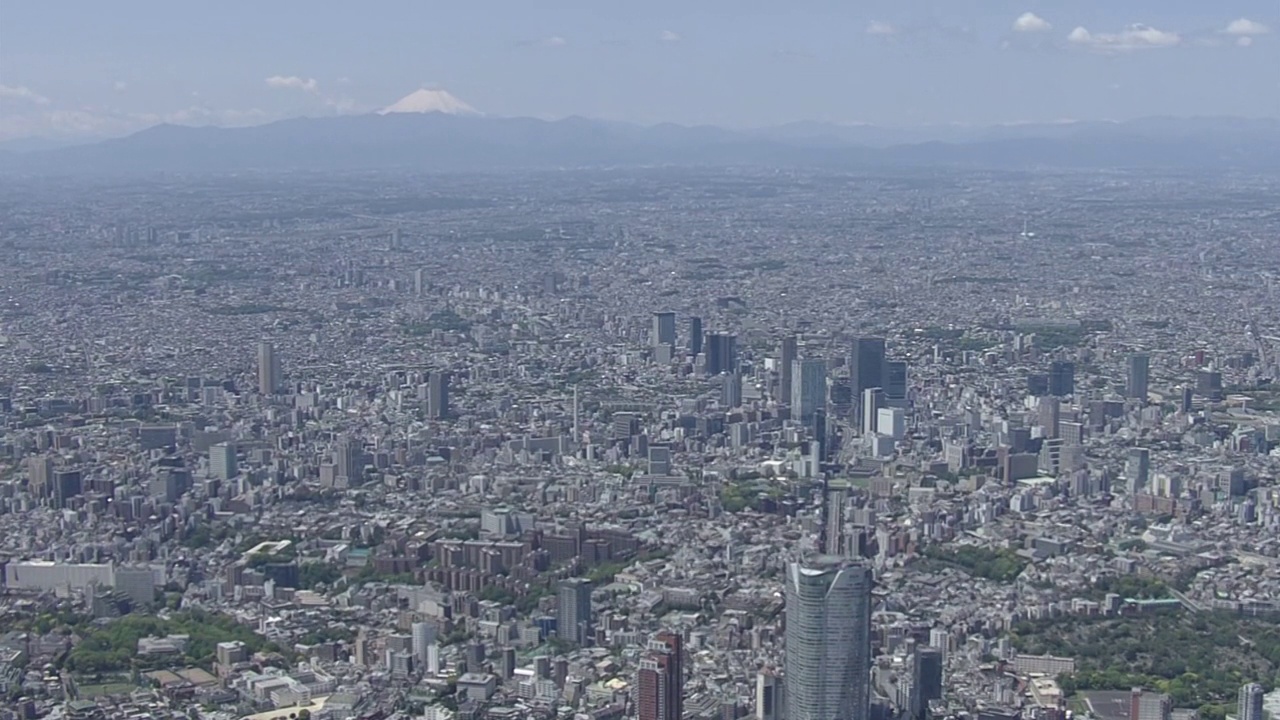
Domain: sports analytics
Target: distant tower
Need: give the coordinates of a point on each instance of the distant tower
(573, 611)
(770, 699)
(664, 329)
(419, 282)
(808, 389)
(722, 353)
(348, 457)
(438, 395)
(866, 365)
(872, 402)
(576, 436)
(786, 356)
(222, 461)
(731, 390)
(1249, 705)
(1062, 378)
(660, 679)
(828, 640)
(268, 369)
(1136, 379)
(1137, 470)
(695, 335)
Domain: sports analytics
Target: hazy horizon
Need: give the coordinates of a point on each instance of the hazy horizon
(111, 70)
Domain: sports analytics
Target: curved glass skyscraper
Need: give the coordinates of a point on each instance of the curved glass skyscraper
(828, 640)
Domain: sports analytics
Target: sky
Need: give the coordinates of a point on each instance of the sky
(87, 68)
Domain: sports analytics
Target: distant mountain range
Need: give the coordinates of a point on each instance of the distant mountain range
(463, 141)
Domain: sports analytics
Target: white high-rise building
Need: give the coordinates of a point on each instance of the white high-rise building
(1249, 705)
(891, 422)
(828, 640)
(222, 461)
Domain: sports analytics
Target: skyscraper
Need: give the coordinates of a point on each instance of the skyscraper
(660, 679)
(866, 366)
(872, 401)
(438, 395)
(1249, 705)
(268, 369)
(1137, 469)
(808, 389)
(770, 699)
(420, 282)
(573, 611)
(1137, 378)
(664, 329)
(695, 335)
(786, 356)
(348, 457)
(222, 461)
(1062, 378)
(895, 383)
(426, 650)
(828, 640)
(722, 353)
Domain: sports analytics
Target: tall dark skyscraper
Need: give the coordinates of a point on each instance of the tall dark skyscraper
(695, 335)
(866, 366)
(573, 611)
(895, 383)
(438, 395)
(1136, 380)
(1062, 378)
(786, 356)
(722, 353)
(660, 680)
(664, 329)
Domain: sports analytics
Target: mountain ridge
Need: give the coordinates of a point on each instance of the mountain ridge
(465, 142)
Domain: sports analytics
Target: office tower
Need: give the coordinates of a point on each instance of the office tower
(268, 369)
(722, 353)
(828, 640)
(66, 485)
(659, 460)
(1072, 433)
(438, 395)
(866, 364)
(786, 356)
(1137, 377)
(1209, 384)
(834, 501)
(731, 390)
(40, 475)
(695, 335)
(664, 329)
(222, 461)
(1249, 705)
(928, 673)
(808, 389)
(891, 421)
(770, 698)
(420, 282)
(660, 679)
(1038, 384)
(895, 383)
(1062, 378)
(348, 458)
(872, 401)
(1050, 416)
(573, 611)
(1137, 469)
(1188, 396)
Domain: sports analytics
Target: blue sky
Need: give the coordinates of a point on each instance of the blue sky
(100, 68)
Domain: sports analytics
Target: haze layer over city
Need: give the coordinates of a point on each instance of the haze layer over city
(719, 361)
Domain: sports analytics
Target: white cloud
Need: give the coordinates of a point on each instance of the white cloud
(669, 36)
(293, 82)
(120, 86)
(1030, 22)
(555, 41)
(1244, 41)
(876, 27)
(22, 92)
(1134, 37)
(1246, 28)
